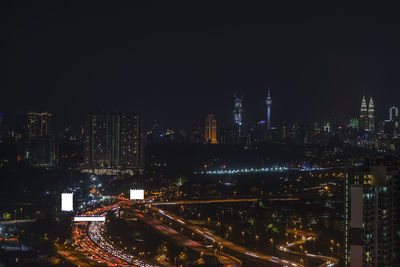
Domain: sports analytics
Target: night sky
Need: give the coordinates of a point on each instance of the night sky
(177, 62)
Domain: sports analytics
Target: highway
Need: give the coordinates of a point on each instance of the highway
(184, 202)
(89, 241)
(308, 236)
(211, 201)
(181, 239)
(223, 244)
(75, 257)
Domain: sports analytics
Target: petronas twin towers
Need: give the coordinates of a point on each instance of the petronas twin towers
(367, 115)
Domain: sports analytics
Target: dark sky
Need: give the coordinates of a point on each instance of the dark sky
(177, 62)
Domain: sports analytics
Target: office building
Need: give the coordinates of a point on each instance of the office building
(372, 214)
(114, 143)
(367, 115)
(237, 118)
(38, 124)
(41, 151)
(224, 136)
(394, 115)
(210, 129)
(40, 145)
(371, 116)
(363, 115)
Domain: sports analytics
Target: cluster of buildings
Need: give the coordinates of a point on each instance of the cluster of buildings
(114, 143)
(109, 143)
(33, 136)
(364, 131)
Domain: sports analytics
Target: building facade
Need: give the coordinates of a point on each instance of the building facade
(372, 214)
(371, 115)
(367, 115)
(114, 143)
(364, 115)
(237, 118)
(40, 144)
(38, 124)
(210, 129)
(394, 115)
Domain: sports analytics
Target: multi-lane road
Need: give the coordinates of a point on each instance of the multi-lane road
(308, 236)
(185, 241)
(223, 245)
(89, 240)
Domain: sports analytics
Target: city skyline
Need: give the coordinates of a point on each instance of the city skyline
(315, 75)
(199, 134)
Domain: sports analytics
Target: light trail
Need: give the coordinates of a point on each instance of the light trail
(326, 261)
(89, 240)
(223, 242)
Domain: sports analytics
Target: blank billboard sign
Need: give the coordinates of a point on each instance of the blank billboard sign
(137, 194)
(67, 200)
(89, 219)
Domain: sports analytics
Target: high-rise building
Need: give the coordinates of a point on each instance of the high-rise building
(367, 115)
(372, 214)
(38, 124)
(238, 118)
(364, 115)
(389, 128)
(210, 129)
(114, 143)
(224, 136)
(371, 115)
(354, 123)
(394, 115)
(41, 151)
(40, 145)
(268, 102)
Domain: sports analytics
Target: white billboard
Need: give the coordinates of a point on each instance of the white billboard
(89, 219)
(67, 200)
(137, 194)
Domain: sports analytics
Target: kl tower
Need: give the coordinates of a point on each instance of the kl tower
(268, 102)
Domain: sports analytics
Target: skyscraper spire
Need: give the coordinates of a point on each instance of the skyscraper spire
(364, 115)
(371, 115)
(237, 117)
(269, 103)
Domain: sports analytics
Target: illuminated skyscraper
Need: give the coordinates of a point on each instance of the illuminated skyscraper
(371, 115)
(38, 124)
(40, 145)
(114, 141)
(394, 115)
(269, 103)
(210, 129)
(238, 118)
(372, 214)
(364, 115)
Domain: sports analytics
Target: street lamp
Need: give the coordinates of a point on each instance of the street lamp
(272, 244)
(257, 241)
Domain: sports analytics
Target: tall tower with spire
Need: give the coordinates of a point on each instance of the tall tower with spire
(268, 102)
(238, 117)
(371, 115)
(363, 115)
